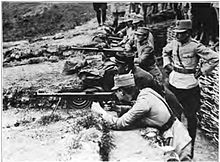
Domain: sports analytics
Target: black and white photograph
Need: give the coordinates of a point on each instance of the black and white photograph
(117, 81)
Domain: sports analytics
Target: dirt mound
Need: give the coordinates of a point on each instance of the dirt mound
(29, 20)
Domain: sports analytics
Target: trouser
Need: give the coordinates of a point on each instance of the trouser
(190, 100)
(173, 103)
(116, 16)
(100, 12)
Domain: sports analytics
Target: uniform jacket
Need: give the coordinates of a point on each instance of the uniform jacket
(148, 110)
(189, 54)
(144, 79)
(145, 50)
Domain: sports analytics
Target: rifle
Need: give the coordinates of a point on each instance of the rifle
(98, 49)
(115, 38)
(80, 100)
(109, 52)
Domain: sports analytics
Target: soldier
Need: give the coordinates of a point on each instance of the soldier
(118, 10)
(147, 9)
(100, 9)
(127, 30)
(148, 110)
(125, 64)
(180, 59)
(138, 22)
(126, 33)
(144, 45)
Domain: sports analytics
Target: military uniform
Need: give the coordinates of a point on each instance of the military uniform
(117, 9)
(182, 82)
(100, 9)
(150, 110)
(144, 79)
(145, 55)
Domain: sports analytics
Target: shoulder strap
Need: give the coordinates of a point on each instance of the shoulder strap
(178, 55)
(162, 99)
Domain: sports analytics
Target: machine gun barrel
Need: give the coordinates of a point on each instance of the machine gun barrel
(95, 96)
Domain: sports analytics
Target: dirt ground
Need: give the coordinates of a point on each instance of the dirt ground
(25, 139)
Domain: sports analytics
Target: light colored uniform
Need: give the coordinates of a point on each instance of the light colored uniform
(151, 111)
(128, 33)
(156, 113)
(189, 53)
(182, 82)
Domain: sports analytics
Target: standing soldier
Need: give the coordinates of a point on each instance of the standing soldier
(118, 10)
(180, 58)
(147, 9)
(100, 9)
(144, 44)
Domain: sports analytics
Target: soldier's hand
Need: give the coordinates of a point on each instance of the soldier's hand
(198, 74)
(168, 69)
(97, 108)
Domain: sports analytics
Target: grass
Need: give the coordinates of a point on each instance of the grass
(22, 20)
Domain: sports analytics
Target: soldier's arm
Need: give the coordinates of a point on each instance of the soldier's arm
(147, 51)
(128, 119)
(166, 54)
(129, 45)
(122, 32)
(210, 59)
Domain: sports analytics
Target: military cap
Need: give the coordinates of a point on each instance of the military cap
(182, 26)
(124, 57)
(124, 80)
(142, 31)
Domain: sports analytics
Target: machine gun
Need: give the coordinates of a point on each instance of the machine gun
(79, 100)
(109, 52)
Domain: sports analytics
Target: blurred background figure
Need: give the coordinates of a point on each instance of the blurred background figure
(147, 9)
(118, 10)
(205, 23)
(134, 8)
(100, 9)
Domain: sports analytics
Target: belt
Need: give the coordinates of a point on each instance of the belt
(168, 124)
(184, 71)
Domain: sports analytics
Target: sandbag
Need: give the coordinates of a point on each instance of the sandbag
(73, 65)
(91, 77)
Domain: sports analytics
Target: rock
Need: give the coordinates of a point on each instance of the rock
(67, 53)
(52, 49)
(58, 36)
(53, 59)
(17, 124)
(37, 60)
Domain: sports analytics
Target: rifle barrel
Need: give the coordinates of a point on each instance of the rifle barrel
(97, 49)
(115, 38)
